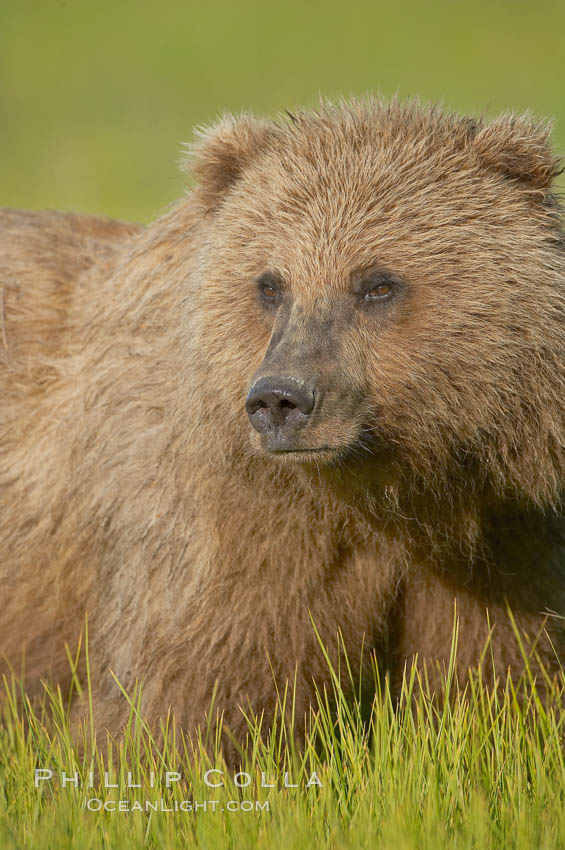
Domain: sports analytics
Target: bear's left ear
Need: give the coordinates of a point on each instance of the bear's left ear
(520, 148)
(221, 153)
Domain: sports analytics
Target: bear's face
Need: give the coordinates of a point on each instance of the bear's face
(380, 292)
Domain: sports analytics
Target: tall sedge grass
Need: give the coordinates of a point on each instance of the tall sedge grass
(482, 768)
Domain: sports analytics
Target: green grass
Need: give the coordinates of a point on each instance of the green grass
(485, 769)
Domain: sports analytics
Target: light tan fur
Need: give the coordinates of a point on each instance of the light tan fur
(134, 489)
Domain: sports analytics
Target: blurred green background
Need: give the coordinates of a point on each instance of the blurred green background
(97, 95)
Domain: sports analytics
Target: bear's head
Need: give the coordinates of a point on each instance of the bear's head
(383, 287)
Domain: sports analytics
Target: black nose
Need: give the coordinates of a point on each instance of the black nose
(279, 402)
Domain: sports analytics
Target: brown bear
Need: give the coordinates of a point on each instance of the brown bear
(327, 386)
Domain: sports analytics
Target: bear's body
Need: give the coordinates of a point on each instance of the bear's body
(385, 285)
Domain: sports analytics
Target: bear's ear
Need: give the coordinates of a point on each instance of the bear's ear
(221, 153)
(519, 148)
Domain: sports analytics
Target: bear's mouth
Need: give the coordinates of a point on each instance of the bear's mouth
(301, 451)
(303, 455)
(352, 449)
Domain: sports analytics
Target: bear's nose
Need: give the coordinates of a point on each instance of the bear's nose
(278, 403)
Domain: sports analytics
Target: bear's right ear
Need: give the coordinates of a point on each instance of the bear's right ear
(221, 154)
(520, 148)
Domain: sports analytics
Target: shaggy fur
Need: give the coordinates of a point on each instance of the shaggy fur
(135, 489)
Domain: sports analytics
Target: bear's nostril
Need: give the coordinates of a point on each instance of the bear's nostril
(254, 406)
(285, 402)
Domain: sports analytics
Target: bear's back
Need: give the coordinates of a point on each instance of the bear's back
(42, 257)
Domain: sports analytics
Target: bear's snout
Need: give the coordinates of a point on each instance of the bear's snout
(279, 404)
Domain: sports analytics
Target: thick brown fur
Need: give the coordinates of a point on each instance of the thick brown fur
(134, 488)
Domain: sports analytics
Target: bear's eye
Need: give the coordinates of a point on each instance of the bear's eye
(268, 286)
(268, 292)
(379, 292)
(376, 286)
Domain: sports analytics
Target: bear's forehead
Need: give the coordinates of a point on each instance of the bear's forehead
(405, 191)
(333, 189)
(326, 218)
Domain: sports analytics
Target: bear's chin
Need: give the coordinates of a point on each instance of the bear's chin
(345, 468)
